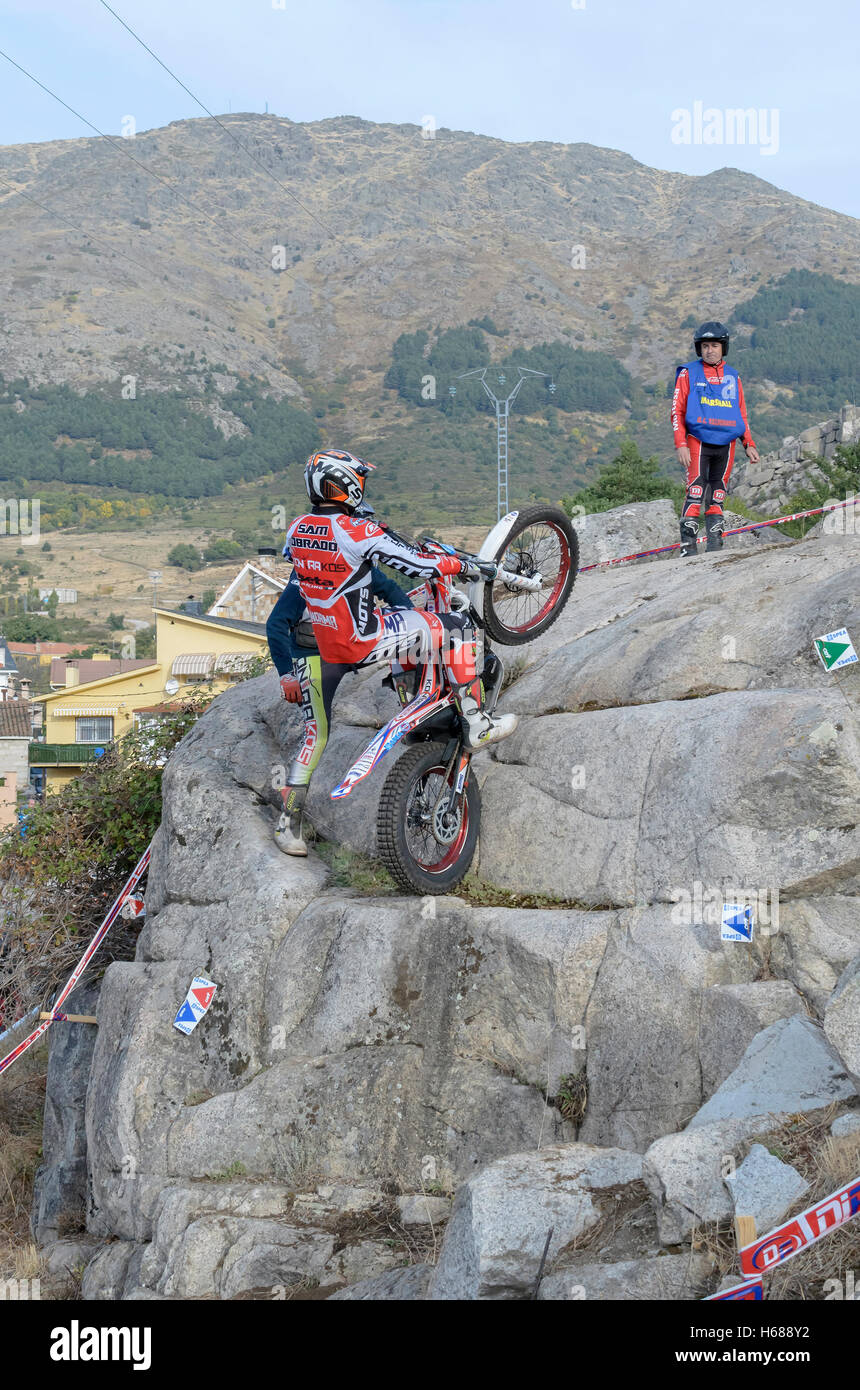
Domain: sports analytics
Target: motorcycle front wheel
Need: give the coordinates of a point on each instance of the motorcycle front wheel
(418, 858)
(542, 548)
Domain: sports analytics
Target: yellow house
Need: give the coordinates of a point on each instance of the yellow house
(195, 652)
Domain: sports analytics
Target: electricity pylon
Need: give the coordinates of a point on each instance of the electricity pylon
(502, 408)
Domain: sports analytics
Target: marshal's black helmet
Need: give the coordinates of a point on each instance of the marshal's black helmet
(712, 330)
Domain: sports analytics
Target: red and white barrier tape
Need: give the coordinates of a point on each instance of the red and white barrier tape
(802, 1230)
(736, 531)
(789, 1239)
(133, 880)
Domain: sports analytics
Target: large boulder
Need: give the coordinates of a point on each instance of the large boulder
(685, 1174)
(625, 530)
(842, 1019)
(60, 1186)
(654, 798)
(765, 1188)
(398, 1032)
(787, 1069)
(498, 1231)
(732, 1015)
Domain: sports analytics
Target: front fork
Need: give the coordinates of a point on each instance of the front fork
(457, 756)
(458, 759)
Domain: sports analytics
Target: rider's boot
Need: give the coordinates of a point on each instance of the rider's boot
(480, 728)
(492, 677)
(288, 832)
(689, 535)
(714, 531)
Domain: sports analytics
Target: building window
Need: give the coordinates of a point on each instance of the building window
(94, 729)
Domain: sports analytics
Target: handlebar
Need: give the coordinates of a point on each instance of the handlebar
(487, 568)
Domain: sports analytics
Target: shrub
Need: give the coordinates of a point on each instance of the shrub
(628, 478)
(185, 557)
(80, 845)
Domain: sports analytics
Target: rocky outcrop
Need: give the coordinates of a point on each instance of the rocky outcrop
(778, 475)
(519, 1208)
(584, 1063)
(60, 1186)
(625, 530)
(685, 1174)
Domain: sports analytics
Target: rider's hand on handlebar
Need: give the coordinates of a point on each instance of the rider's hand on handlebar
(292, 690)
(478, 569)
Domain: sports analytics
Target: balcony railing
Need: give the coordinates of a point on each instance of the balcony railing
(56, 754)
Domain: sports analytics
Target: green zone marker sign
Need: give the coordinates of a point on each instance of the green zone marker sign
(835, 649)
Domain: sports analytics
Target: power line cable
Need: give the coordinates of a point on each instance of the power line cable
(159, 275)
(133, 260)
(227, 131)
(121, 148)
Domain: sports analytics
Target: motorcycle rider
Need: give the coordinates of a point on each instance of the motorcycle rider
(289, 630)
(708, 416)
(332, 548)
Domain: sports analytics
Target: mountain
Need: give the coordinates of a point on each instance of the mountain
(395, 233)
(460, 250)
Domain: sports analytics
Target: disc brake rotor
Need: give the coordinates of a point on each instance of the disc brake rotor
(446, 825)
(520, 563)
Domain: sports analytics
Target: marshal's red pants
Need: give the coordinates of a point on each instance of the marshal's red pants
(709, 470)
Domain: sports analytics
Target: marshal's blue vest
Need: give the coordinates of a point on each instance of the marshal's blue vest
(713, 409)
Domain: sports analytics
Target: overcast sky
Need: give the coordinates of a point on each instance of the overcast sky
(621, 73)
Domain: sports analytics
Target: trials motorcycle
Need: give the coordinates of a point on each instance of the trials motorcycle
(430, 806)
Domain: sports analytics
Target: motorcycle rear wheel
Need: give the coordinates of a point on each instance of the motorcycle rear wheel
(405, 839)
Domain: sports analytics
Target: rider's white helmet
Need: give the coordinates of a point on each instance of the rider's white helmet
(336, 477)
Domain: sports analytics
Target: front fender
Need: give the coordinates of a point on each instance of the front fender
(497, 537)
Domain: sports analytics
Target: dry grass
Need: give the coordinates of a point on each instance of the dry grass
(118, 563)
(826, 1164)
(621, 1208)
(22, 1102)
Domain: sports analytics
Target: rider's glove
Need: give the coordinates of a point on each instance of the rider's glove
(292, 690)
(478, 569)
